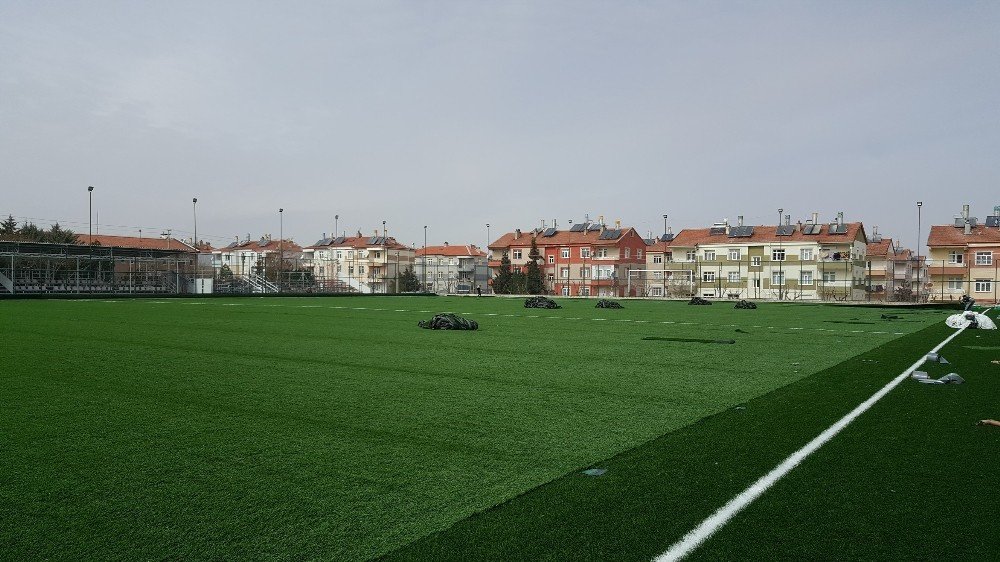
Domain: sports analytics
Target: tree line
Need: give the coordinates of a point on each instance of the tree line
(29, 232)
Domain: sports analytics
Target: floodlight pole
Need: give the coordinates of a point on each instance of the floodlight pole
(281, 244)
(663, 260)
(919, 205)
(90, 215)
(336, 219)
(424, 268)
(488, 256)
(385, 259)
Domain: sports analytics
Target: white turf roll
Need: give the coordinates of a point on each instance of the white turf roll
(960, 321)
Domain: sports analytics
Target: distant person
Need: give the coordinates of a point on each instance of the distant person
(479, 291)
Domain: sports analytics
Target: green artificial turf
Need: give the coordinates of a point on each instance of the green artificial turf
(337, 429)
(912, 478)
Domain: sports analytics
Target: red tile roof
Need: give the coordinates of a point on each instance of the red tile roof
(560, 238)
(948, 235)
(691, 237)
(358, 242)
(256, 246)
(450, 250)
(880, 248)
(145, 243)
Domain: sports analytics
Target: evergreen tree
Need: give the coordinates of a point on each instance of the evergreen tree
(59, 235)
(8, 227)
(29, 232)
(518, 283)
(408, 281)
(534, 284)
(502, 281)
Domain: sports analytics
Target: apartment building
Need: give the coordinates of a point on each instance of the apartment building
(963, 258)
(248, 257)
(586, 259)
(451, 269)
(801, 261)
(366, 264)
(882, 281)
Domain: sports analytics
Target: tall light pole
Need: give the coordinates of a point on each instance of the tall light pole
(90, 215)
(424, 287)
(281, 244)
(919, 205)
(663, 265)
(336, 219)
(194, 204)
(385, 260)
(488, 255)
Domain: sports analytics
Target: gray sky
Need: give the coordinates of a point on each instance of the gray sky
(455, 114)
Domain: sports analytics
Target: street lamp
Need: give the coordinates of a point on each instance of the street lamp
(919, 205)
(90, 214)
(281, 244)
(663, 260)
(488, 255)
(336, 218)
(424, 287)
(385, 260)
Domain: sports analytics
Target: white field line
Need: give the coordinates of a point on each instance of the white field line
(708, 527)
(828, 330)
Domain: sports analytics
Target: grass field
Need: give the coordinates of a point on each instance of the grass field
(334, 428)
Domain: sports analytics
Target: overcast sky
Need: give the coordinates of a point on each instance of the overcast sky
(458, 114)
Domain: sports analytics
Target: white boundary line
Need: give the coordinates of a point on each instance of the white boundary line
(694, 538)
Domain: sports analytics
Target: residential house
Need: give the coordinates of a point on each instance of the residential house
(963, 258)
(588, 258)
(366, 264)
(451, 269)
(802, 261)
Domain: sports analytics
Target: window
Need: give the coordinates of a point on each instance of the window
(583, 272)
(658, 258)
(517, 254)
(451, 261)
(322, 271)
(956, 257)
(670, 256)
(602, 252)
(657, 292)
(377, 255)
(984, 258)
(709, 255)
(440, 274)
(734, 254)
(564, 272)
(755, 261)
(340, 254)
(361, 270)
(350, 254)
(829, 276)
(806, 278)
(638, 254)
(552, 259)
(628, 253)
(564, 253)
(690, 255)
(778, 278)
(565, 290)
(806, 254)
(350, 270)
(955, 283)
(584, 252)
(778, 255)
(657, 275)
(734, 277)
(984, 286)
(708, 276)
(585, 291)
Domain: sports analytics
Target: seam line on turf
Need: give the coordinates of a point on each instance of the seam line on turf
(695, 537)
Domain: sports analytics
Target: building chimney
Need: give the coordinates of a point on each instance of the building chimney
(815, 218)
(788, 220)
(618, 223)
(739, 220)
(517, 233)
(324, 236)
(968, 227)
(840, 218)
(554, 224)
(600, 219)
(798, 226)
(965, 212)
(445, 243)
